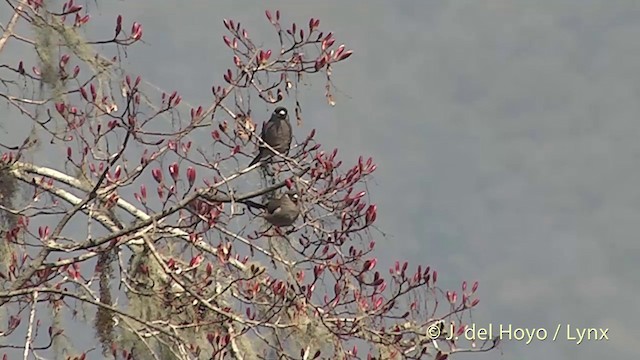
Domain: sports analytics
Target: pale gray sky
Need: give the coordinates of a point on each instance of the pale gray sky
(506, 133)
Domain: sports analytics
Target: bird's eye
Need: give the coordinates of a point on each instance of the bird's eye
(282, 112)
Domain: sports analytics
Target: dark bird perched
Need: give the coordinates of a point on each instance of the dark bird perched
(281, 210)
(277, 133)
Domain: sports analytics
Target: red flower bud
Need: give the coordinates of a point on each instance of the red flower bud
(371, 214)
(174, 171)
(157, 175)
(118, 25)
(191, 175)
(83, 92)
(345, 55)
(215, 135)
(368, 265)
(60, 108)
(136, 31)
(226, 40)
(92, 89)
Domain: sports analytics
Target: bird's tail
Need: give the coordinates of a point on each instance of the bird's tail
(254, 161)
(253, 204)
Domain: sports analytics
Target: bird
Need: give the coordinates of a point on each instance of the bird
(276, 133)
(280, 210)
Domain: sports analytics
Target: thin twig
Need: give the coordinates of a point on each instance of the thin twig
(32, 316)
(8, 32)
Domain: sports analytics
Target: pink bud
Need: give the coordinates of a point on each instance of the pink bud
(474, 287)
(237, 61)
(311, 134)
(157, 174)
(191, 175)
(215, 135)
(327, 43)
(60, 108)
(345, 55)
(186, 146)
(64, 60)
(83, 20)
(118, 25)
(339, 51)
(174, 170)
(136, 31)
(317, 270)
(196, 260)
(73, 8)
(371, 214)
(369, 264)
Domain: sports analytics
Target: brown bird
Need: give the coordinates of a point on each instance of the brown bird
(281, 210)
(276, 133)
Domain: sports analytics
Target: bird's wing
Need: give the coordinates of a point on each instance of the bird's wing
(288, 131)
(274, 204)
(266, 129)
(265, 126)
